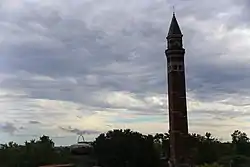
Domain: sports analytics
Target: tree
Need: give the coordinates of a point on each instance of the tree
(203, 149)
(241, 143)
(120, 148)
(162, 143)
(239, 137)
(31, 154)
(125, 148)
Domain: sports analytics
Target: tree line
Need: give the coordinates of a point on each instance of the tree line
(126, 148)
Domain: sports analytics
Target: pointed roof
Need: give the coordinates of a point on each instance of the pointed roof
(174, 28)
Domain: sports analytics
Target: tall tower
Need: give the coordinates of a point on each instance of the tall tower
(178, 122)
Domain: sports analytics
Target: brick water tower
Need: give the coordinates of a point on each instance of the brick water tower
(178, 122)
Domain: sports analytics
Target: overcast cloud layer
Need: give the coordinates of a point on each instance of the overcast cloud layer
(87, 66)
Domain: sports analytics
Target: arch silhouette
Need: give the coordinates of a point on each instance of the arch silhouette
(80, 137)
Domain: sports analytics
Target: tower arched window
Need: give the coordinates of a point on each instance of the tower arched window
(175, 66)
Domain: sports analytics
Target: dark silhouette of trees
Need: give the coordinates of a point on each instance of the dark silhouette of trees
(211, 165)
(240, 143)
(126, 148)
(120, 148)
(31, 154)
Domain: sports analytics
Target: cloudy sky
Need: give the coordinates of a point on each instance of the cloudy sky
(70, 66)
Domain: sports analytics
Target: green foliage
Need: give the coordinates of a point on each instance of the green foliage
(211, 165)
(208, 150)
(235, 161)
(240, 143)
(125, 148)
(31, 154)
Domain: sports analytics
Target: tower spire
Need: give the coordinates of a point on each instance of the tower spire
(174, 28)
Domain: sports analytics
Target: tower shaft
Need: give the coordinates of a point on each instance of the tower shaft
(178, 122)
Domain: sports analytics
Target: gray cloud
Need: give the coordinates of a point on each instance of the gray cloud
(34, 122)
(8, 128)
(79, 131)
(78, 51)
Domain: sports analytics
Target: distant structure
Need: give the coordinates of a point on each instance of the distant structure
(178, 122)
(81, 147)
(82, 153)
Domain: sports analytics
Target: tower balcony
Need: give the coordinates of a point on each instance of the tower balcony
(175, 52)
